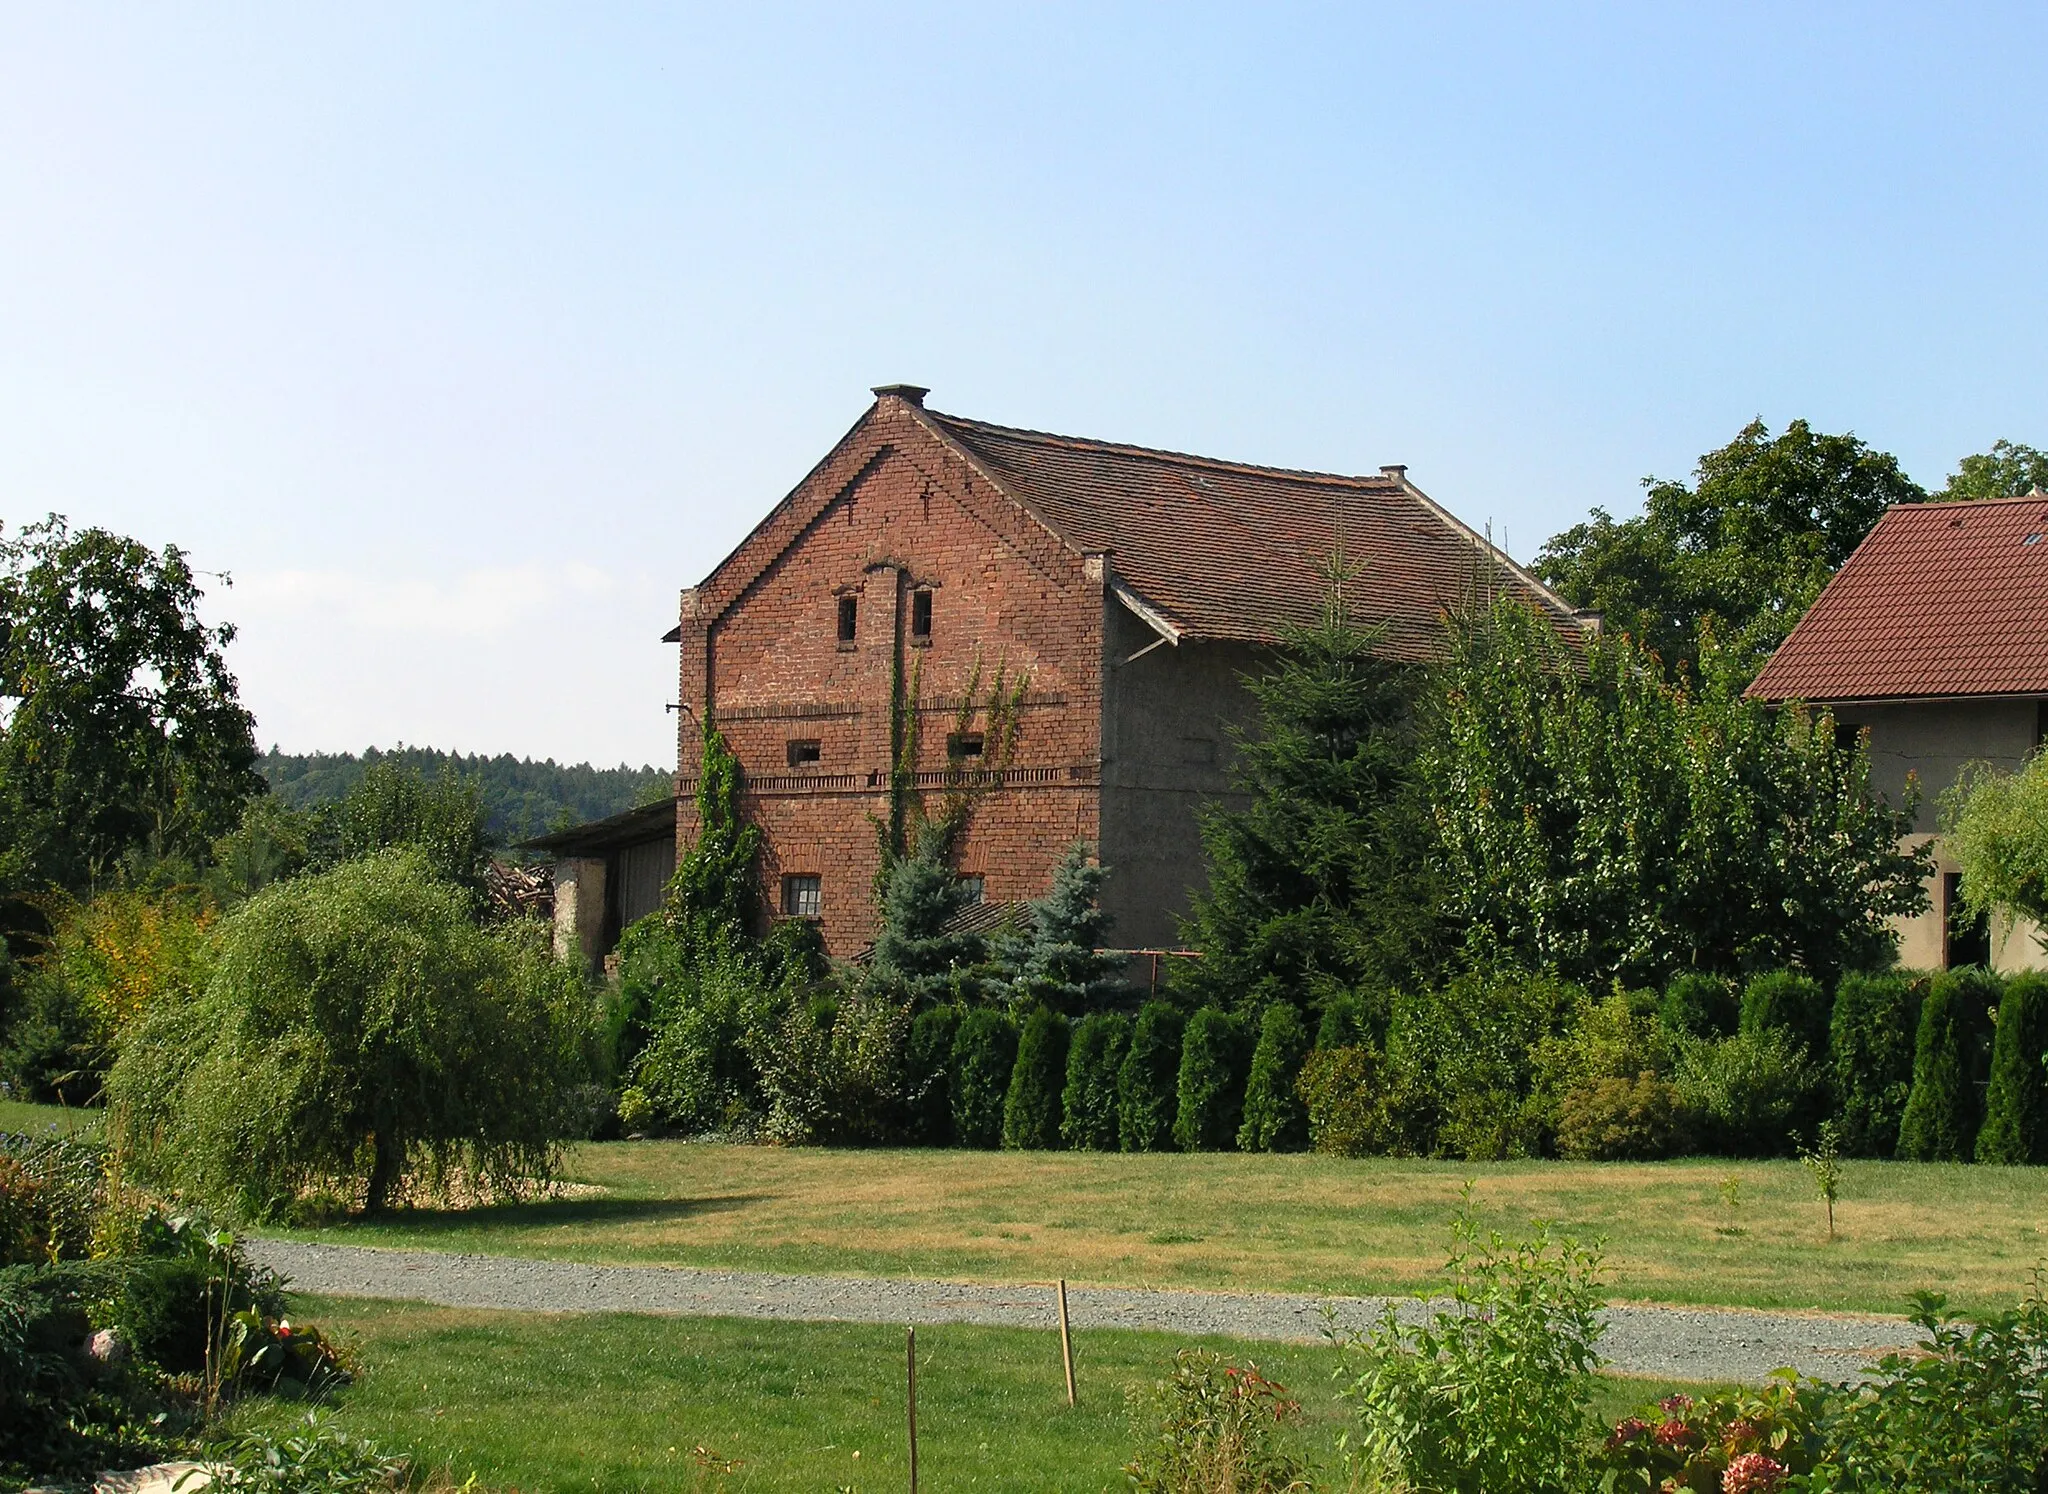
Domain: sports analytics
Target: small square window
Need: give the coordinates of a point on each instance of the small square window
(964, 746)
(921, 615)
(1848, 736)
(803, 754)
(975, 887)
(849, 620)
(802, 897)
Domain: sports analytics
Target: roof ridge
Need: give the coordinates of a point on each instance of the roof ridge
(2036, 498)
(1161, 453)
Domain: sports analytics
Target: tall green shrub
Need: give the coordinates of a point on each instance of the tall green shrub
(2016, 1105)
(1942, 1112)
(1700, 1005)
(928, 1063)
(359, 1033)
(1875, 1021)
(1463, 1062)
(984, 1056)
(1748, 1094)
(1792, 1002)
(1275, 1120)
(1145, 1085)
(1088, 1103)
(1031, 1110)
(1210, 1086)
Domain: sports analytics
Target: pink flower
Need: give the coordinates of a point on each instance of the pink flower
(1753, 1473)
(1675, 1405)
(1677, 1436)
(1631, 1430)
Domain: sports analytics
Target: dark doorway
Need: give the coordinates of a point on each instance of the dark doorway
(1966, 937)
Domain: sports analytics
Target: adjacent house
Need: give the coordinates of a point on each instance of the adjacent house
(852, 641)
(1933, 639)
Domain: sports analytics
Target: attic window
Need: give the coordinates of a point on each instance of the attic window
(804, 753)
(964, 746)
(849, 620)
(974, 887)
(2032, 539)
(921, 616)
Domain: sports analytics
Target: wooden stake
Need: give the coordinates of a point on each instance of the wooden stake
(1066, 1343)
(910, 1357)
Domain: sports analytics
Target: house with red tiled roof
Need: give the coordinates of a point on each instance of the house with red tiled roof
(847, 648)
(1933, 640)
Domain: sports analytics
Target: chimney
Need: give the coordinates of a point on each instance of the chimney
(1395, 472)
(910, 393)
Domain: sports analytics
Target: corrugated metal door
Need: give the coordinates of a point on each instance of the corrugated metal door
(644, 871)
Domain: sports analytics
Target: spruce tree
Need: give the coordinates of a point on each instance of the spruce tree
(1209, 1089)
(1061, 961)
(1088, 1110)
(1320, 882)
(1145, 1093)
(1275, 1120)
(2016, 1106)
(1031, 1111)
(1941, 1119)
(915, 949)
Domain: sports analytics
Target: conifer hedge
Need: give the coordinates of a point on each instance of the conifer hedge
(2016, 1106)
(1792, 1002)
(1874, 1026)
(1942, 1115)
(1031, 1111)
(1088, 1108)
(1700, 1005)
(1145, 1085)
(928, 1065)
(1210, 1086)
(984, 1057)
(1275, 1120)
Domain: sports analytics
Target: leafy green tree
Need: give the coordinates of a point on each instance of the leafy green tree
(2007, 470)
(1996, 831)
(122, 734)
(1031, 1110)
(1274, 1118)
(1320, 882)
(1744, 549)
(397, 806)
(1062, 961)
(359, 1033)
(2015, 1127)
(1597, 820)
(1145, 1093)
(1088, 1103)
(915, 948)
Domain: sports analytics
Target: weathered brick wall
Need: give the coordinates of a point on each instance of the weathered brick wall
(889, 512)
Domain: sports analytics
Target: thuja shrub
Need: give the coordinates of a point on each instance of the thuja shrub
(2015, 1127)
(1031, 1110)
(1145, 1084)
(1791, 1002)
(1088, 1103)
(984, 1056)
(1275, 1120)
(1345, 1022)
(1950, 1054)
(1491, 1391)
(928, 1069)
(1345, 1094)
(1696, 1004)
(1875, 1021)
(1209, 1090)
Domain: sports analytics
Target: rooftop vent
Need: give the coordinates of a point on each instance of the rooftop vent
(1395, 471)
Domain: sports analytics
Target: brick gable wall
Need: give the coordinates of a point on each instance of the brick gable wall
(891, 511)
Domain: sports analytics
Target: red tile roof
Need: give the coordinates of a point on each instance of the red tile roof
(1940, 599)
(1227, 550)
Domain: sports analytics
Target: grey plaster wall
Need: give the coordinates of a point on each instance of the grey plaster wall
(1165, 752)
(1932, 741)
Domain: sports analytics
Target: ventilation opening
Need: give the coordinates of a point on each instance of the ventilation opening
(921, 615)
(849, 619)
(974, 888)
(802, 897)
(803, 754)
(964, 746)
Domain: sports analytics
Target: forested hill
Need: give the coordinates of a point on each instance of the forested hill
(521, 798)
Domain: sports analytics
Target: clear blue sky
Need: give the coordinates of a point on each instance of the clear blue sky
(463, 336)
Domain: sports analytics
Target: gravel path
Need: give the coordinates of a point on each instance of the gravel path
(1681, 1343)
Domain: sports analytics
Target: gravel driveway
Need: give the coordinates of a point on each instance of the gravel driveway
(1680, 1343)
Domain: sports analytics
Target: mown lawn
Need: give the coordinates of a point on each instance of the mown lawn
(619, 1402)
(40, 1119)
(1266, 1223)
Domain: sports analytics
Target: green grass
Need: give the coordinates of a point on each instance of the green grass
(16, 1116)
(1269, 1223)
(619, 1402)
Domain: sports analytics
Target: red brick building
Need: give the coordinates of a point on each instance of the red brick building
(1130, 589)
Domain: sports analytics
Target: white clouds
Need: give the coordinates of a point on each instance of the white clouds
(555, 661)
